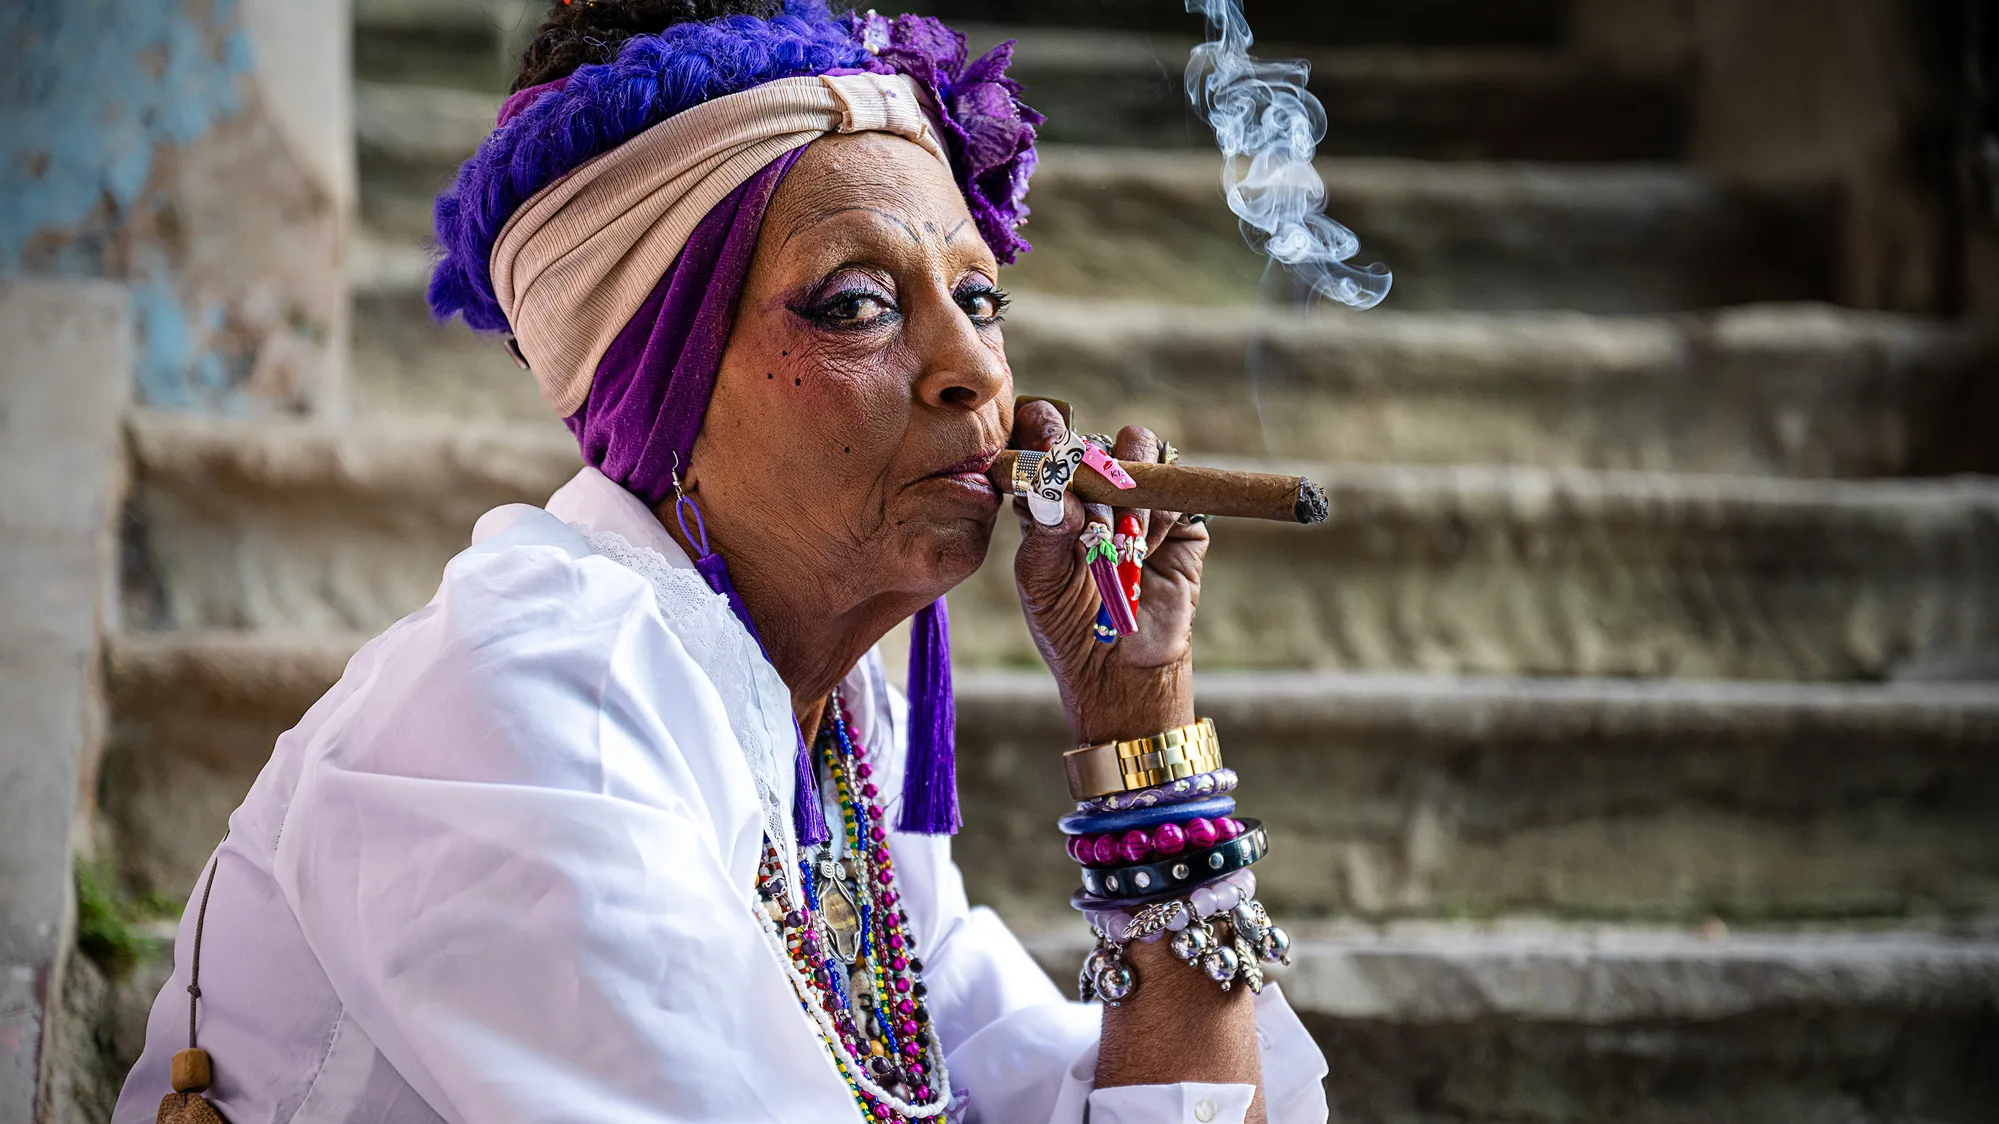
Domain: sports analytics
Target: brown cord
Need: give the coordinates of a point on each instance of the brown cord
(194, 959)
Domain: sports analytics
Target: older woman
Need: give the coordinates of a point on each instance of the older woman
(626, 823)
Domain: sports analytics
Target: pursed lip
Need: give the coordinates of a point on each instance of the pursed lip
(974, 465)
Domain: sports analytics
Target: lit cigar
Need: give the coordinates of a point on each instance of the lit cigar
(1186, 488)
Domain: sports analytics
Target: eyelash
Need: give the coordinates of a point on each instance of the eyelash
(825, 313)
(993, 293)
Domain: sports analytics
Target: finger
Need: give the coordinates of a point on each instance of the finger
(1134, 443)
(1137, 443)
(1037, 425)
(1049, 555)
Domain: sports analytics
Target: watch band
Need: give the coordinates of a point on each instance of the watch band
(1124, 766)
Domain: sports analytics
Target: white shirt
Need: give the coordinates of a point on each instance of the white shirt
(504, 871)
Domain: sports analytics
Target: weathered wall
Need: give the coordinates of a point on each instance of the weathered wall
(64, 381)
(198, 150)
(176, 186)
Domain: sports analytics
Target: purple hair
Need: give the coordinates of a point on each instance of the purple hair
(602, 106)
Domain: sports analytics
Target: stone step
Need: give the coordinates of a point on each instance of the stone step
(1342, 22)
(1801, 390)
(1437, 569)
(1126, 88)
(1520, 571)
(1578, 1026)
(1122, 88)
(1150, 224)
(1137, 223)
(1386, 796)
(473, 44)
(1544, 1024)
(1474, 797)
(477, 43)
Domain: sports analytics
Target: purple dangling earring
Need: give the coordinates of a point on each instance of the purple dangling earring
(808, 817)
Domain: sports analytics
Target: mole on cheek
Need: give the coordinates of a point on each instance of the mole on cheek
(798, 382)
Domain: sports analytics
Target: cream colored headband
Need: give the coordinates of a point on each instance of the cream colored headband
(575, 262)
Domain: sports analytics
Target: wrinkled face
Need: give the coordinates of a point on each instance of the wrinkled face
(865, 388)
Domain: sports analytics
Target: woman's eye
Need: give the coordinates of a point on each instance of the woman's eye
(983, 305)
(856, 308)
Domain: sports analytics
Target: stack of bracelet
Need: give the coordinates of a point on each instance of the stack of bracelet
(1164, 858)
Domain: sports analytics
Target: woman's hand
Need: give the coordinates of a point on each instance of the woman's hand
(1178, 1026)
(1143, 683)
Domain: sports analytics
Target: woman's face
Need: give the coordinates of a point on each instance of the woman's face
(864, 389)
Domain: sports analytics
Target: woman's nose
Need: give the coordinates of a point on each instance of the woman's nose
(962, 369)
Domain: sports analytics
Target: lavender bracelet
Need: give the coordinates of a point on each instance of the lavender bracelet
(1197, 787)
(1218, 895)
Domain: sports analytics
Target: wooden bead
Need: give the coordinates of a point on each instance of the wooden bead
(187, 1108)
(191, 1071)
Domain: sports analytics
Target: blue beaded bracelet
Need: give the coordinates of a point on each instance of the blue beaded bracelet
(1095, 823)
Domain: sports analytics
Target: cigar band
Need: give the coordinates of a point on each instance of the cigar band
(1053, 474)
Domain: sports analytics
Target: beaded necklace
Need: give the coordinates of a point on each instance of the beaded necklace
(847, 948)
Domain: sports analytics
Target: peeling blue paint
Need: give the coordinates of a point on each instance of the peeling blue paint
(90, 90)
(166, 345)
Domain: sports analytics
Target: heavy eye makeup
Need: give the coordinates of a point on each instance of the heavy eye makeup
(847, 300)
(984, 302)
(853, 300)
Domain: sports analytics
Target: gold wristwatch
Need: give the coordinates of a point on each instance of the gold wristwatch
(1124, 766)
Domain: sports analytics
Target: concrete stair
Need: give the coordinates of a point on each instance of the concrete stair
(1467, 103)
(1149, 224)
(1102, 86)
(1778, 390)
(1457, 799)
(1655, 801)
(1439, 569)
(1546, 1024)
(1628, 733)
(1411, 23)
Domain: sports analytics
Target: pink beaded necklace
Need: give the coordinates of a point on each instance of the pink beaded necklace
(848, 948)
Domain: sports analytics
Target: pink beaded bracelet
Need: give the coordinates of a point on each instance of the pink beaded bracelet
(1145, 844)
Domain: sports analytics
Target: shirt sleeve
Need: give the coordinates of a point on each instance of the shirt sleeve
(519, 855)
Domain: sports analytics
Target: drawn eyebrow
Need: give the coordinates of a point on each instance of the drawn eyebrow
(953, 232)
(889, 215)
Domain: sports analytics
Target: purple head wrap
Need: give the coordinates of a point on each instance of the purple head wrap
(651, 389)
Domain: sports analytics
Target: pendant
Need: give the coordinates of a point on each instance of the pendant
(841, 919)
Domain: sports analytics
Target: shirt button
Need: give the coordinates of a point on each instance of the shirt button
(1204, 1110)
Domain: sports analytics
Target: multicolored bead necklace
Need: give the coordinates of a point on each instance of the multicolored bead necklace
(848, 950)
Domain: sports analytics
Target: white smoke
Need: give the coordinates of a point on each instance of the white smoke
(1268, 127)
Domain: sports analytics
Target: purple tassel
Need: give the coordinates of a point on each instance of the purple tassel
(808, 818)
(930, 776)
(808, 815)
